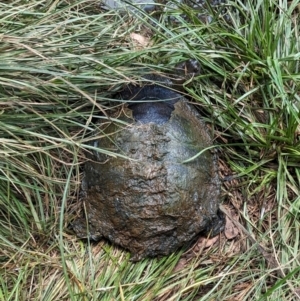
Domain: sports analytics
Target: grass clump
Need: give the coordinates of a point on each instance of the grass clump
(62, 63)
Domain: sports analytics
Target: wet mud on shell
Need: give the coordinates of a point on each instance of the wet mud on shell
(153, 203)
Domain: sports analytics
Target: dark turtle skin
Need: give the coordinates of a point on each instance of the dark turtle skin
(156, 200)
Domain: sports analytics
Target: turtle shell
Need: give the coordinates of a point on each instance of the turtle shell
(160, 190)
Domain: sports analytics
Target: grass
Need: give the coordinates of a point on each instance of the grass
(62, 63)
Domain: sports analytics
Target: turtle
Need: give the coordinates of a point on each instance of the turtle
(161, 189)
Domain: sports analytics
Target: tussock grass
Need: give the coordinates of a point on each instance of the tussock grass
(62, 63)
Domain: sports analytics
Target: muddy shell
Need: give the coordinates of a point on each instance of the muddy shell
(165, 194)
